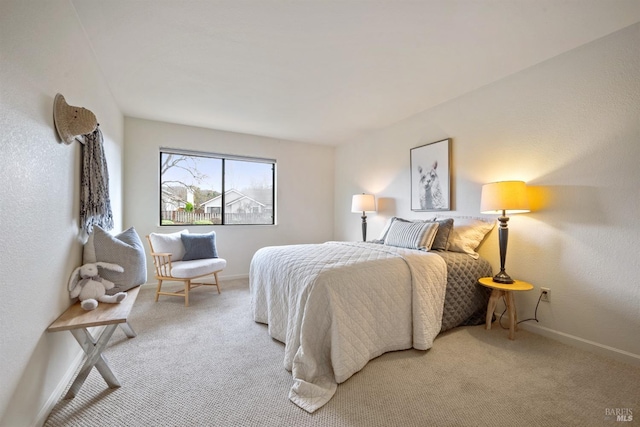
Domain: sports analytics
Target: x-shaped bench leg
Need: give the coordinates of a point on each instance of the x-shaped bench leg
(128, 330)
(93, 348)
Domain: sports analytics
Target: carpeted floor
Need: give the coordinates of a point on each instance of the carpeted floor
(211, 365)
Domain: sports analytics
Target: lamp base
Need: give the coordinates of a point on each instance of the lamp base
(503, 277)
(364, 227)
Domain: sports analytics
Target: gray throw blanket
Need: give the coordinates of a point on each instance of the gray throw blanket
(95, 206)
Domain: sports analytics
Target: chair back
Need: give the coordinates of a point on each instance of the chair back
(161, 261)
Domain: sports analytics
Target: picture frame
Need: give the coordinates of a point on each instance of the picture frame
(431, 176)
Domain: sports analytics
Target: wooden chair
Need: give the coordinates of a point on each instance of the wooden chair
(169, 266)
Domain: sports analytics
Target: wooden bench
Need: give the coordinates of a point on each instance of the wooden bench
(77, 321)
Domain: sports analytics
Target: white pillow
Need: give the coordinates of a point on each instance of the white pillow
(169, 243)
(468, 233)
(411, 235)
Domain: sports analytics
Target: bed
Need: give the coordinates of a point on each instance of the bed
(338, 305)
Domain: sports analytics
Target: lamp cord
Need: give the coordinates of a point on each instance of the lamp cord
(535, 314)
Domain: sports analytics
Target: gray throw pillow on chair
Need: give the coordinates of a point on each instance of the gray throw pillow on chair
(199, 246)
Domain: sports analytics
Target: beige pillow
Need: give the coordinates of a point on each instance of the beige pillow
(468, 233)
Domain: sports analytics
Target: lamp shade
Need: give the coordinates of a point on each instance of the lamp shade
(508, 196)
(363, 203)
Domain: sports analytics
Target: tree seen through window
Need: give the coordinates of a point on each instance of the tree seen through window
(210, 190)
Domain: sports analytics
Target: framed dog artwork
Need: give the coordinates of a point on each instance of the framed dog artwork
(431, 176)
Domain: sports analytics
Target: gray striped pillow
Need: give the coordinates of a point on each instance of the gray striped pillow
(411, 235)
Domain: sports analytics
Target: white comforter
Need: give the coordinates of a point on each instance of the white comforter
(340, 304)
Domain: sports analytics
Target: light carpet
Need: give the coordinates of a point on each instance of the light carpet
(210, 365)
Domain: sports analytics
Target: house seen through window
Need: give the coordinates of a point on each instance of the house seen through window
(212, 189)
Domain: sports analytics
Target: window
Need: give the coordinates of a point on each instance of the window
(209, 189)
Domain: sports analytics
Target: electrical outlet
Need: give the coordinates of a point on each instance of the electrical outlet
(546, 294)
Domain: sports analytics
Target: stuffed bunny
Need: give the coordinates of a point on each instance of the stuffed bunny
(89, 287)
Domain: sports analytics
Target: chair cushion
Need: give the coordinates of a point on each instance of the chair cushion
(197, 267)
(199, 246)
(169, 243)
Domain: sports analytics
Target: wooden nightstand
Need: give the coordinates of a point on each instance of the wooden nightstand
(498, 290)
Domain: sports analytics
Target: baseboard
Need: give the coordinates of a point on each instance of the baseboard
(62, 386)
(594, 347)
(234, 276)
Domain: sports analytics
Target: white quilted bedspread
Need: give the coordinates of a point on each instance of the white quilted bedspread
(338, 305)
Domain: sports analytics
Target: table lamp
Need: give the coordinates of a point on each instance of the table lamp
(363, 203)
(502, 198)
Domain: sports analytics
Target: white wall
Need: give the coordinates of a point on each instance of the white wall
(43, 51)
(304, 188)
(570, 127)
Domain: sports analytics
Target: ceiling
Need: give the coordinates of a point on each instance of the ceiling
(324, 71)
